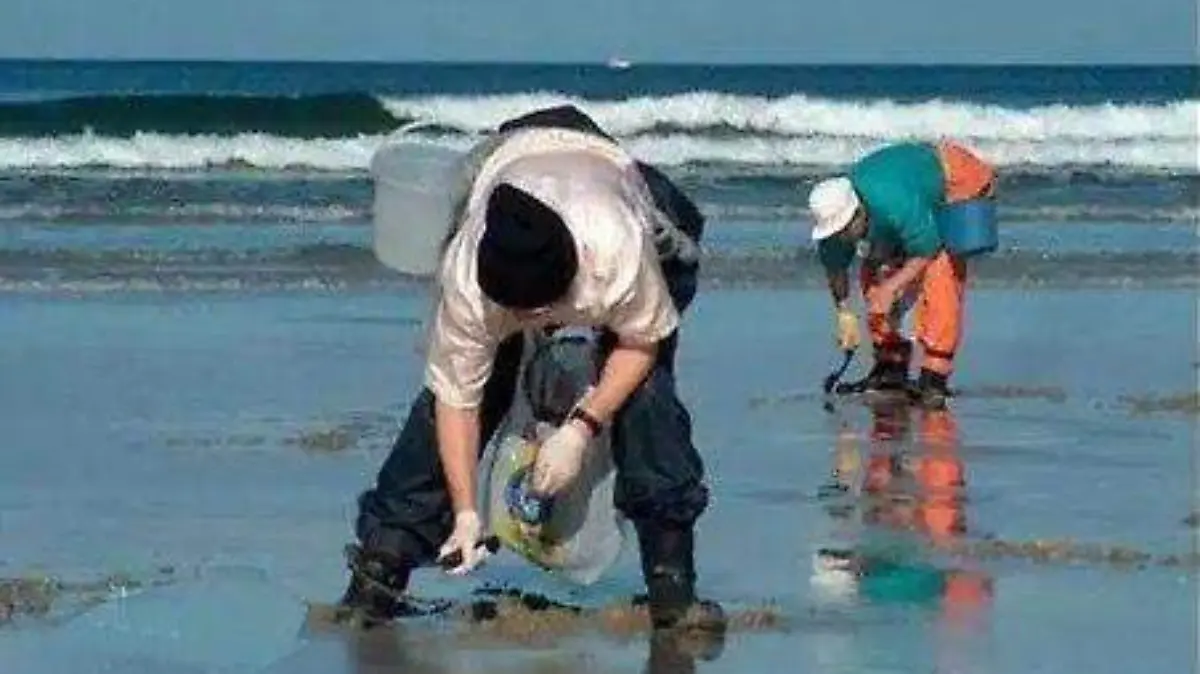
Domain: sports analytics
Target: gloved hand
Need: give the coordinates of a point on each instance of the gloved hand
(559, 459)
(848, 337)
(465, 539)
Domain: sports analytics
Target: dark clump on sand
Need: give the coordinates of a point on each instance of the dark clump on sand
(236, 440)
(1187, 404)
(1181, 403)
(504, 617)
(511, 615)
(345, 435)
(1189, 561)
(40, 597)
(328, 437)
(1067, 551)
(756, 402)
(1052, 394)
(26, 596)
(336, 439)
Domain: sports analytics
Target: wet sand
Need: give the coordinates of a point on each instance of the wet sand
(1054, 504)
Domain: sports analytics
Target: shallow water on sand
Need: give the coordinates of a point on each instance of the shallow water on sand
(196, 432)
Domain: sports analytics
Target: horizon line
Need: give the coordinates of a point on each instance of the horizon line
(633, 63)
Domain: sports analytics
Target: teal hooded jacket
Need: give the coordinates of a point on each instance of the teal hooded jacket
(901, 187)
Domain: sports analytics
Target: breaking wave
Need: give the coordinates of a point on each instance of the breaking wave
(339, 132)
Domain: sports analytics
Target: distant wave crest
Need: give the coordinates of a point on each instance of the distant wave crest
(339, 132)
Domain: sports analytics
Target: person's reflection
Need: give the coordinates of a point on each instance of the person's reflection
(918, 486)
(909, 478)
(677, 653)
(383, 649)
(392, 648)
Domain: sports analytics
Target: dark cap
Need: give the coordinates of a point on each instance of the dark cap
(527, 255)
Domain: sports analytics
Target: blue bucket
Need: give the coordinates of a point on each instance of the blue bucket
(968, 228)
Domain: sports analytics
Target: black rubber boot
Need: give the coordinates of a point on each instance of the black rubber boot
(889, 373)
(884, 376)
(375, 593)
(668, 566)
(931, 390)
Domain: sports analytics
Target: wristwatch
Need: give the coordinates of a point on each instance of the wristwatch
(593, 424)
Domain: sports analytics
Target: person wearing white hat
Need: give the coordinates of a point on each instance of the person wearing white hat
(888, 201)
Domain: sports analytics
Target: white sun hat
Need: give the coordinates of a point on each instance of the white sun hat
(833, 204)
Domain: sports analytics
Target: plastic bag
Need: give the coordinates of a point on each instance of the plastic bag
(581, 534)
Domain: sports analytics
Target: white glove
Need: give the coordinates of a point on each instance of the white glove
(465, 539)
(559, 459)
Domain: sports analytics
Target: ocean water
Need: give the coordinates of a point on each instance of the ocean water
(226, 176)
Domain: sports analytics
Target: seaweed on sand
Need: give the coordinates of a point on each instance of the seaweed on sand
(43, 597)
(1179, 403)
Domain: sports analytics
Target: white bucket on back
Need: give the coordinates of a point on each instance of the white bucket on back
(417, 186)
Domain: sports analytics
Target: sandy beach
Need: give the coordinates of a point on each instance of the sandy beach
(215, 444)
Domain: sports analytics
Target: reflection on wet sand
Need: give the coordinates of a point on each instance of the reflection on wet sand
(901, 490)
(909, 477)
(512, 637)
(905, 486)
(919, 487)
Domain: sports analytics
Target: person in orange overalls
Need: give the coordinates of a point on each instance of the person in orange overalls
(889, 201)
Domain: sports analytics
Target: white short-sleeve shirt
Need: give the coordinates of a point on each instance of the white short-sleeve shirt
(598, 192)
